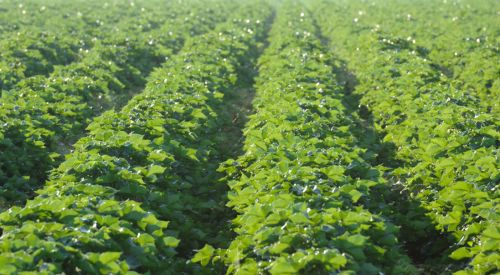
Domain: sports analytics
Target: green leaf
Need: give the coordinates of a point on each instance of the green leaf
(156, 169)
(282, 266)
(108, 205)
(7, 269)
(462, 186)
(108, 257)
(492, 232)
(249, 267)
(357, 240)
(278, 247)
(299, 218)
(191, 153)
(461, 253)
(335, 173)
(39, 144)
(56, 205)
(355, 195)
(204, 255)
(145, 239)
(338, 261)
(197, 113)
(171, 241)
(321, 159)
(157, 156)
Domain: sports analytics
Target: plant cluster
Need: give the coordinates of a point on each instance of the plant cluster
(42, 116)
(443, 134)
(106, 208)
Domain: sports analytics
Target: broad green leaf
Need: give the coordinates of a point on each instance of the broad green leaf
(108, 257)
(282, 266)
(461, 253)
(204, 255)
(156, 169)
(355, 195)
(171, 241)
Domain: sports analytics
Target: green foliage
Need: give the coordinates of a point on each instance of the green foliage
(417, 85)
(42, 117)
(372, 149)
(301, 187)
(105, 208)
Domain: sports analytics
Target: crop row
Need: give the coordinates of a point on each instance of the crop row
(301, 187)
(35, 50)
(459, 41)
(445, 148)
(77, 17)
(65, 38)
(105, 208)
(43, 116)
(28, 54)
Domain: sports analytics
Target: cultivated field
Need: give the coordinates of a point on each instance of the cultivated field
(249, 137)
